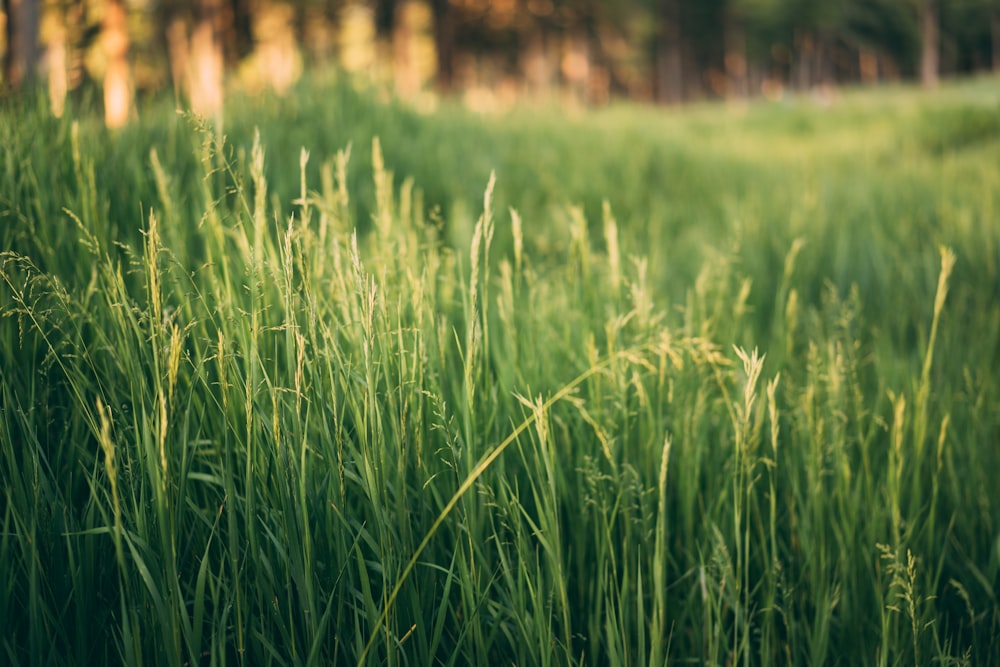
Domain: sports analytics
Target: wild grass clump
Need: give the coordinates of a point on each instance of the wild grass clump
(240, 425)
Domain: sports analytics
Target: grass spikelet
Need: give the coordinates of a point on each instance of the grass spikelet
(611, 241)
(923, 390)
(517, 232)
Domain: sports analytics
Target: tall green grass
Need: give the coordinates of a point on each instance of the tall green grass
(713, 386)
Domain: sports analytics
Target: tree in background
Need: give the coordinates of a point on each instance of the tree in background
(117, 77)
(21, 59)
(929, 43)
(589, 50)
(669, 68)
(196, 32)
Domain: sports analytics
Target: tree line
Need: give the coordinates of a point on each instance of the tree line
(667, 51)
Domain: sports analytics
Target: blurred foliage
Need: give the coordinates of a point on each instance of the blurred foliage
(606, 48)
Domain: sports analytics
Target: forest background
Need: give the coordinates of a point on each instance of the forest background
(490, 53)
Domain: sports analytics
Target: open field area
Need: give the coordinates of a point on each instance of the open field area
(716, 385)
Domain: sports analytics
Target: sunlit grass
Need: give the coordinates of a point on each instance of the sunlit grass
(713, 386)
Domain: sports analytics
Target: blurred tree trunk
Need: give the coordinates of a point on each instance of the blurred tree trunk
(405, 55)
(58, 59)
(734, 40)
(576, 64)
(868, 65)
(117, 83)
(444, 43)
(22, 42)
(198, 34)
(536, 59)
(929, 43)
(206, 60)
(669, 54)
(823, 69)
(805, 47)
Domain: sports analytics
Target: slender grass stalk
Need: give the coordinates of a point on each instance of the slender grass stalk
(923, 389)
(481, 467)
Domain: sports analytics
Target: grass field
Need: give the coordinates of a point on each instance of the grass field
(705, 386)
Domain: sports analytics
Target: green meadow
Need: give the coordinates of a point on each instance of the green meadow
(334, 382)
